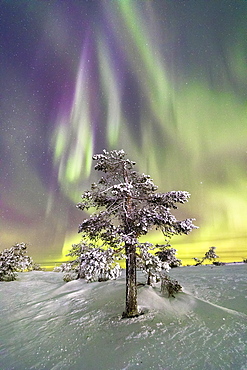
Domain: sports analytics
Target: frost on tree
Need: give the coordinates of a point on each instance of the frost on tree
(92, 263)
(209, 255)
(13, 260)
(126, 206)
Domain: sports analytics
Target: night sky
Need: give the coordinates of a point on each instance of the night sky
(165, 80)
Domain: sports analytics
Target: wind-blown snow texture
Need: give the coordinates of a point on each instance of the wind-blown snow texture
(48, 324)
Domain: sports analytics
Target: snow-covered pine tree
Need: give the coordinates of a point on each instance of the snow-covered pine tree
(168, 254)
(14, 260)
(209, 255)
(92, 263)
(126, 206)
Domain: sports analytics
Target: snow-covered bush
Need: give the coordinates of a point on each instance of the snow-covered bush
(91, 263)
(14, 260)
(169, 285)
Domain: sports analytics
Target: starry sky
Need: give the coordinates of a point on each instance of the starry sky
(165, 80)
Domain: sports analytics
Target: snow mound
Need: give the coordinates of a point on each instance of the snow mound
(48, 324)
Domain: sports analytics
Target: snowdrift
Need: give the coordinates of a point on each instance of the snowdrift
(48, 324)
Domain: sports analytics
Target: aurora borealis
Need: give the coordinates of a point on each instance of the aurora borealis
(165, 80)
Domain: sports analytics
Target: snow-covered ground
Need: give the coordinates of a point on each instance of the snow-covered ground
(48, 324)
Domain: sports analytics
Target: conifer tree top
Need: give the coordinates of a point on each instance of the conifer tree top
(131, 198)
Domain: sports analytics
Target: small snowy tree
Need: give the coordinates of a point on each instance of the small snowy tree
(14, 260)
(126, 206)
(91, 263)
(170, 286)
(150, 264)
(209, 255)
(168, 254)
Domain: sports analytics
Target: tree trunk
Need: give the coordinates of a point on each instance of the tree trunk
(131, 289)
(149, 279)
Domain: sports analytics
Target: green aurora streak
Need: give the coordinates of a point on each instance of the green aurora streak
(191, 137)
(185, 126)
